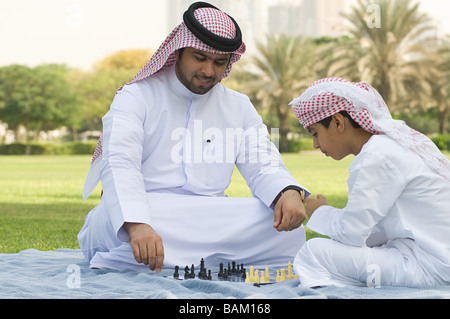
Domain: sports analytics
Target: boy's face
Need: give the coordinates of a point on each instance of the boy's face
(329, 140)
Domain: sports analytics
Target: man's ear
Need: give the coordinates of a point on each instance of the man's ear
(338, 122)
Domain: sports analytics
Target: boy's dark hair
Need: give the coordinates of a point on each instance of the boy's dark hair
(326, 121)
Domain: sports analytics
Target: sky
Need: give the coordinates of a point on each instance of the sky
(80, 32)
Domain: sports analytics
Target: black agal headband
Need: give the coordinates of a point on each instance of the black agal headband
(206, 36)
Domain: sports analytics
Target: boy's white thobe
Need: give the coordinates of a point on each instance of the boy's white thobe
(395, 229)
(168, 157)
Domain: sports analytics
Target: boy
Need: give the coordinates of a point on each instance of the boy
(395, 228)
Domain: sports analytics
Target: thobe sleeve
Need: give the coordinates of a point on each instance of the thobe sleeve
(260, 162)
(123, 184)
(374, 186)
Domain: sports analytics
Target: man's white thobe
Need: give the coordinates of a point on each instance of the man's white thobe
(168, 157)
(394, 230)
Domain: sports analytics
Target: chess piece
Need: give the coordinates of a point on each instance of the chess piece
(186, 272)
(262, 280)
(290, 275)
(267, 276)
(283, 274)
(202, 271)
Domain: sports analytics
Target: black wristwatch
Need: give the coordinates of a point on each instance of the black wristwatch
(298, 189)
(293, 187)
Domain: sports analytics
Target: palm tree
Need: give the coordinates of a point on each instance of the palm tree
(282, 70)
(393, 57)
(440, 83)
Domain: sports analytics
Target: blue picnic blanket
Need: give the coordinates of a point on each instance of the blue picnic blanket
(64, 274)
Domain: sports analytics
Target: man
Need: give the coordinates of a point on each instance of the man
(394, 230)
(169, 146)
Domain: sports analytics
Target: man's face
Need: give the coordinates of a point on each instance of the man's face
(199, 71)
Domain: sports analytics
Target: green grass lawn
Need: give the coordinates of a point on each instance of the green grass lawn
(41, 196)
(40, 201)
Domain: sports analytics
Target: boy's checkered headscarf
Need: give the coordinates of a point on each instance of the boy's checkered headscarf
(364, 104)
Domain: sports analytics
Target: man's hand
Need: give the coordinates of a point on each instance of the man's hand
(313, 203)
(289, 211)
(146, 244)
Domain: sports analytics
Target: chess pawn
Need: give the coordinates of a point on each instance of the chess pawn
(283, 275)
(256, 277)
(278, 278)
(186, 272)
(267, 276)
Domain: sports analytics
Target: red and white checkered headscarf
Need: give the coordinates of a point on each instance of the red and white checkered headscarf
(317, 104)
(212, 19)
(364, 104)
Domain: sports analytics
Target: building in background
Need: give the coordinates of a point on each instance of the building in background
(249, 14)
(312, 18)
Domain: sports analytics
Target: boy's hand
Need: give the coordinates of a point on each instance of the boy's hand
(313, 203)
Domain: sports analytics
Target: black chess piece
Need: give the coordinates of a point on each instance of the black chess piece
(202, 273)
(233, 269)
(220, 275)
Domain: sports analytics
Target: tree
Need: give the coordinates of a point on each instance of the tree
(281, 71)
(440, 82)
(39, 99)
(14, 88)
(392, 54)
(98, 87)
(96, 91)
(132, 60)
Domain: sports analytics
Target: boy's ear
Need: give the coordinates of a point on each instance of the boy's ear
(338, 122)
